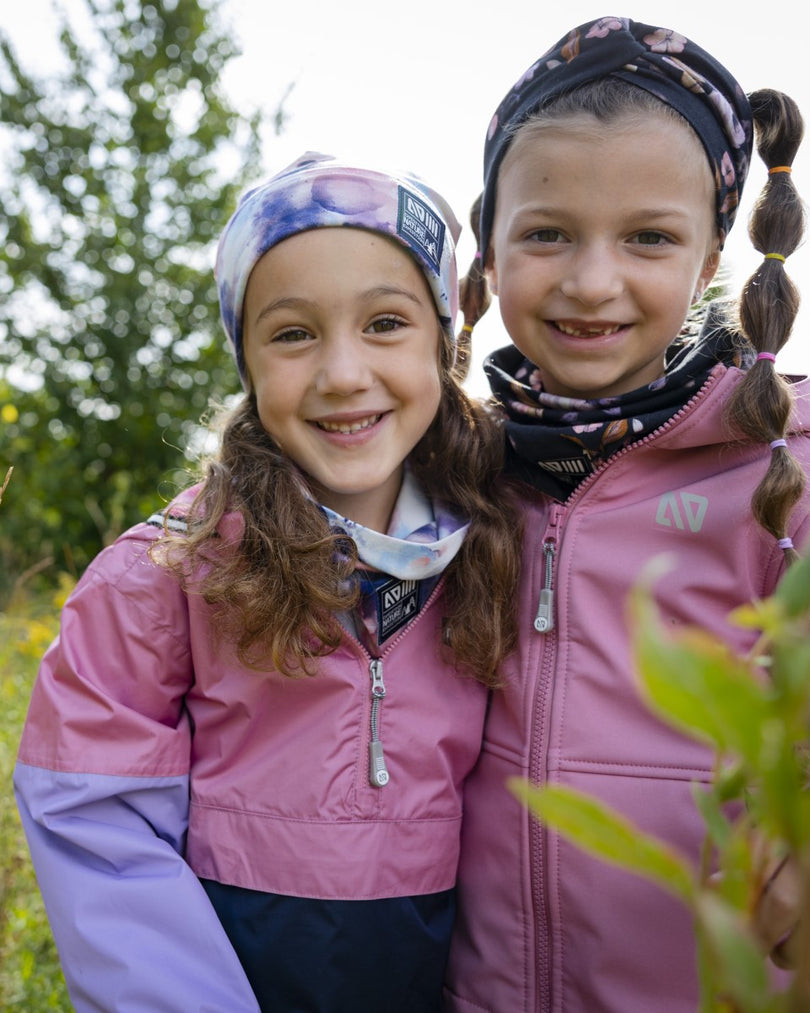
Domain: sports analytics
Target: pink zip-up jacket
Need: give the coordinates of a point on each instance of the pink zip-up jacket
(543, 928)
(151, 757)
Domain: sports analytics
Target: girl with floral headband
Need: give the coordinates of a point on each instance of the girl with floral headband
(242, 767)
(612, 174)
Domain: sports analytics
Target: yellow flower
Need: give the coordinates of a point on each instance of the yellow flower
(9, 414)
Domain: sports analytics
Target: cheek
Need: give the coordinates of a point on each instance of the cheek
(429, 394)
(277, 403)
(426, 394)
(270, 424)
(517, 305)
(520, 282)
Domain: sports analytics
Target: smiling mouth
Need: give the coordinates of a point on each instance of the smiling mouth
(582, 331)
(348, 427)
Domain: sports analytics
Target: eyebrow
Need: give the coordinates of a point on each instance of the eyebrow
(299, 302)
(553, 211)
(665, 212)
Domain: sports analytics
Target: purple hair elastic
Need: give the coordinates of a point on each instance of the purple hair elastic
(778, 443)
(785, 543)
(766, 355)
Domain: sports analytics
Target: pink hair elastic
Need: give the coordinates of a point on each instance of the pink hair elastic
(778, 443)
(785, 543)
(766, 355)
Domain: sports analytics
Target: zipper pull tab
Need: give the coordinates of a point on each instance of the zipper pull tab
(544, 620)
(377, 770)
(377, 684)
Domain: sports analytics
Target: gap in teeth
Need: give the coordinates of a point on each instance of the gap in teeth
(586, 331)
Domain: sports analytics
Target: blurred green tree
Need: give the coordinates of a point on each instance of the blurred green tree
(119, 168)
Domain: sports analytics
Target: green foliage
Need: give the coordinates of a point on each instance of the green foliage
(30, 976)
(121, 167)
(755, 713)
(599, 831)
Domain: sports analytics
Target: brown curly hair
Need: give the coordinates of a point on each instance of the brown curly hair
(278, 593)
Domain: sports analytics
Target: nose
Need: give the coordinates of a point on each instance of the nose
(343, 365)
(593, 275)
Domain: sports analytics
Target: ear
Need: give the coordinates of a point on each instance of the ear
(491, 271)
(709, 270)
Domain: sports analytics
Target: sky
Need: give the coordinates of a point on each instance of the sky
(414, 86)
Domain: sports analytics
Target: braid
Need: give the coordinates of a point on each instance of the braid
(761, 405)
(474, 294)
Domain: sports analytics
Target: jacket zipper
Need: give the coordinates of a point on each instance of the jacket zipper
(378, 775)
(544, 620)
(544, 617)
(377, 770)
(538, 769)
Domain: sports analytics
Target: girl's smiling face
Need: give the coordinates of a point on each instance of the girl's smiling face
(603, 237)
(342, 350)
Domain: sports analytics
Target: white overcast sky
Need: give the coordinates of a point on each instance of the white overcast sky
(414, 85)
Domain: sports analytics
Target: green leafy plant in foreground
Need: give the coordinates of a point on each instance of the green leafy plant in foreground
(754, 712)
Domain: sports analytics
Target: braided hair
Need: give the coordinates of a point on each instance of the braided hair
(761, 405)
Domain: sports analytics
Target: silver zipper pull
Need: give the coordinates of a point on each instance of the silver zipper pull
(377, 684)
(377, 770)
(544, 620)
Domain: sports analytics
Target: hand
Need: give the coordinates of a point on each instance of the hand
(777, 914)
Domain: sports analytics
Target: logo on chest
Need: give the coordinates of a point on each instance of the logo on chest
(397, 604)
(684, 511)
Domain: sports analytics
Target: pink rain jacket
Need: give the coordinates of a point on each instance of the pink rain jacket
(150, 757)
(542, 928)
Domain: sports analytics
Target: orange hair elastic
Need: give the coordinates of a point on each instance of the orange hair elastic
(779, 168)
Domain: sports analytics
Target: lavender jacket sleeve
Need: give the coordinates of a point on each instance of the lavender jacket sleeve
(102, 784)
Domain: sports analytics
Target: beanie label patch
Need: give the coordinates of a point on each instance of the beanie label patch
(420, 228)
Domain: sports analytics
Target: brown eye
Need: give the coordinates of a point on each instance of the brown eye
(292, 334)
(547, 236)
(651, 238)
(385, 325)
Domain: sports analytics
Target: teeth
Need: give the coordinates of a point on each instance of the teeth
(349, 427)
(586, 332)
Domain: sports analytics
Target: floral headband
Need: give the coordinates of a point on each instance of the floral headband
(664, 63)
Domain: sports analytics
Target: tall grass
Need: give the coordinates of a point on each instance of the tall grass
(30, 976)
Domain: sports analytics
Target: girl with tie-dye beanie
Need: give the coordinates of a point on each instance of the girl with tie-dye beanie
(241, 774)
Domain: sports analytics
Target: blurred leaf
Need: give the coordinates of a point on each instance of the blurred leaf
(695, 683)
(740, 968)
(717, 823)
(598, 830)
(793, 591)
